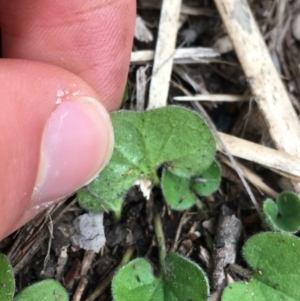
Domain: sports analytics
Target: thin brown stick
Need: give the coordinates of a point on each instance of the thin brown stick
(214, 97)
(179, 56)
(164, 53)
(263, 78)
(86, 264)
(253, 178)
(21, 258)
(183, 220)
(274, 159)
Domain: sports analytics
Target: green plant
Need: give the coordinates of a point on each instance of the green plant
(7, 281)
(184, 280)
(181, 193)
(178, 143)
(48, 290)
(274, 258)
(179, 278)
(284, 214)
(173, 138)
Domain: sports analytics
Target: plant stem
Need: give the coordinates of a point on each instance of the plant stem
(106, 282)
(199, 204)
(161, 244)
(117, 215)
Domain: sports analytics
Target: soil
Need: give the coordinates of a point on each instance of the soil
(43, 250)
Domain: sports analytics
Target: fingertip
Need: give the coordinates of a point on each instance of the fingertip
(55, 137)
(76, 145)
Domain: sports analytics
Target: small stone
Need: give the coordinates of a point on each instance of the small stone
(89, 231)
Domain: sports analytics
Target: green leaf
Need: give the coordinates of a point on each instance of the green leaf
(48, 290)
(184, 281)
(135, 281)
(177, 191)
(274, 258)
(208, 182)
(174, 137)
(7, 281)
(181, 192)
(284, 215)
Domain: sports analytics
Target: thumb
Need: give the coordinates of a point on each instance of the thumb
(55, 137)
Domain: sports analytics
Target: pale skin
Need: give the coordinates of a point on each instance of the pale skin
(61, 62)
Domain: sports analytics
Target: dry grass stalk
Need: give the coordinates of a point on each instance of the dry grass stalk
(179, 56)
(164, 52)
(263, 78)
(265, 156)
(262, 75)
(253, 178)
(214, 97)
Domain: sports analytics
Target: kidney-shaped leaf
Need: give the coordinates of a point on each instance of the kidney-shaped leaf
(284, 215)
(47, 290)
(181, 192)
(208, 182)
(7, 280)
(173, 136)
(177, 191)
(274, 258)
(184, 280)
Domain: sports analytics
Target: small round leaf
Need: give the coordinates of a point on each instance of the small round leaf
(274, 258)
(7, 281)
(184, 280)
(208, 182)
(284, 215)
(48, 290)
(177, 191)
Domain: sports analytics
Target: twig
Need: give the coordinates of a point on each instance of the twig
(37, 238)
(260, 154)
(263, 78)
(161, 244)
(50, 227)
(183, 220)
(253, 178)
(181, 55)
(80, 289)
(86, 264)
(165, 47)
(213, 97)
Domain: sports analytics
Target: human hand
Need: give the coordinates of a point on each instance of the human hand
(56, 133)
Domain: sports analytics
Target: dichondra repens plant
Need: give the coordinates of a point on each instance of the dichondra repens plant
(179, 142)
(274, 258)
(284, 214)
(173, 138)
